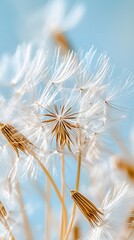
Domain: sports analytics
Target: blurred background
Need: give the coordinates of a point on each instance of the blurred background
(108, 25)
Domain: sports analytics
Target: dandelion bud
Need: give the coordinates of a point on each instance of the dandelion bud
(16, 139)
(89, 210)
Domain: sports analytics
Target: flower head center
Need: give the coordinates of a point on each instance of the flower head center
(59, 118)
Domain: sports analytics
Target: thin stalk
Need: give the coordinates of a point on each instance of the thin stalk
(76, 187)
(55, 188)
(63, 226)
(76, 232)
(24, 216)
(8, 229)
(130, 235)
(48, 210)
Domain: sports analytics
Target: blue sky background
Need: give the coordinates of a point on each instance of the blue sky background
(108, 25)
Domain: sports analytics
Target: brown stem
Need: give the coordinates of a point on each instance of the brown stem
(63, 224)
(77, 188)
(48, 210)
(76, 232)
(8, 229)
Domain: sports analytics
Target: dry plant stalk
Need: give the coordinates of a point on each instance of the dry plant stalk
(76, 186)
(48, 210)
(27, 227)
(63, 229)
(76, 232)
(89, 210)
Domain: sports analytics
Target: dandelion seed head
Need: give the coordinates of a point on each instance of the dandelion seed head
(62, 123)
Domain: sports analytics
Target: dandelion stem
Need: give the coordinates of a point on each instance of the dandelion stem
(76, 187)
(55, 188)
(76, 232)
(8, 229)
(130, 235)
(48, 209)
(25, 220)
(63, 224)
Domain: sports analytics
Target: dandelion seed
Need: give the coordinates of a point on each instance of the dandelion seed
(130, 220)
(3, 213)
(125, 167)
(16, 139)
(62, 124)
(55, 18)
(61, 40)
(89, 210)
